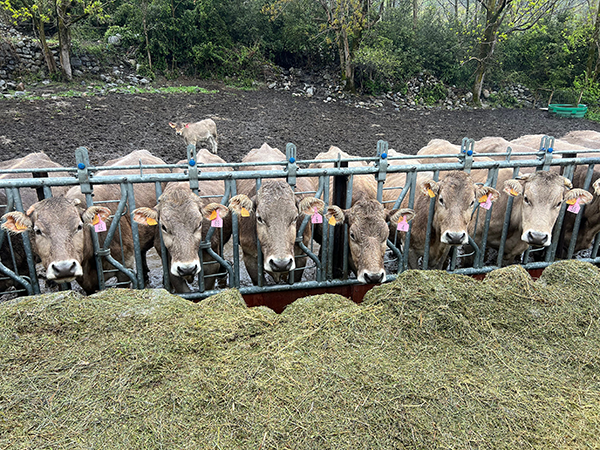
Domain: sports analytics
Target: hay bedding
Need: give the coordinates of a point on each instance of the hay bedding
(432, 360)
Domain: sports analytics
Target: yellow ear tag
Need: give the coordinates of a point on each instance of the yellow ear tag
(151, 221)
(572, 201)
(213, 215)
(245, 213)
(96, 220)
(483, 199)
(430, 192)
(332, 221)
(513, 192)
(20, 227)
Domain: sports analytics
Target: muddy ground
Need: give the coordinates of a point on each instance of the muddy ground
(116, 124)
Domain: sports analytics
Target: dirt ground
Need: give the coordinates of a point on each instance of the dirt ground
(115, 124)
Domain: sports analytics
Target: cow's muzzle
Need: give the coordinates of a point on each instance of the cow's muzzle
(185, 270)
(455, 238)
(64, 271)
(371, 277)
(536, 238)
(284, 264)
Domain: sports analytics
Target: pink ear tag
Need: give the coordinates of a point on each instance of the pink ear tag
(316, 217)
(218, 222)
(574, 208)
(403, 225)
(100, 226)
(487, 204)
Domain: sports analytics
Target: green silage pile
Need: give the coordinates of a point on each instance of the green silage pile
(432, 360)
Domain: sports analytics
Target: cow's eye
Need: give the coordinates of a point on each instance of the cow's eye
(558, 205)
(164, 228)
(38, 232)
(352, 236)
(526, 200)
(79, 227)
(441, 200)
(260, 220)
(472, 202)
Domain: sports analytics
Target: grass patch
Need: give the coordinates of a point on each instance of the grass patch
(432, 360)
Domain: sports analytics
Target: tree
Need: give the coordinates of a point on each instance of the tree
(40, 14)
(346, 20)
(519, 15)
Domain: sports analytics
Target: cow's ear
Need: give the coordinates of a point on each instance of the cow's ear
(94, 214)
(513, 188)
(145, 216)
(241, 205)
(16, 222)
(596, 187)
(399, 215)
(485, 193)
(572, 195)
(335, 215)
(430, 188)
(173, 125)
(211, 207)
(308, 204)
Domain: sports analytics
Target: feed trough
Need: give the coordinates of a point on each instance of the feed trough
(568, 110)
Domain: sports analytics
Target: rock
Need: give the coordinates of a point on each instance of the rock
(115, 40)
(469, 96)
(310, 91)
(20, 93)
(77, 73)
(486, 93)
(144, 81)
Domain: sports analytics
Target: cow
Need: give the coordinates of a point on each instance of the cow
(439, 147)
(183, 220)
(538, 198)
(534, 141)
(366, 218)
(455, 196)
(584, 138)
(29, 196)
(493, 144)
(204, 131)
(272, 215)
(60, 227)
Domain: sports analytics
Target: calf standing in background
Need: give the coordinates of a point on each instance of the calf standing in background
(204, 131)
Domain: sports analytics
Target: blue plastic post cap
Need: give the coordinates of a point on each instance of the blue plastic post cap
(292, 160)
(383, 155)
(81, 166)
(470, 152)
(192, 162)
(550, 149)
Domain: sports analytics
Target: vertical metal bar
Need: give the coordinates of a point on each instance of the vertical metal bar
(382, 164)
(411, 182)
(507, 218)
(136, 235)
(577, 224)
(436, 175)
(27, 245)
(164, 257)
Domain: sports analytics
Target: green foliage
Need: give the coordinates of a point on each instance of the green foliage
(432, 94)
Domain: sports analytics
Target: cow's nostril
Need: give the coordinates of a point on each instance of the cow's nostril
(281, 264)
(537, 238)
(185, 271)
(455, 238)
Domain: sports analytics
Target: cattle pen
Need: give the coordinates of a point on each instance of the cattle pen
(328, 272)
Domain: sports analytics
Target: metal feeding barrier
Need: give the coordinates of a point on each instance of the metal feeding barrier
(328, 263)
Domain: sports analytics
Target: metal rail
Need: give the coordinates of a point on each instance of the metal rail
(320, 262)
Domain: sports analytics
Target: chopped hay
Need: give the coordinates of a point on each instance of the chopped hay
(432, 360)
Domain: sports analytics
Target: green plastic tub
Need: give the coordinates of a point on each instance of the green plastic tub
(567, 110)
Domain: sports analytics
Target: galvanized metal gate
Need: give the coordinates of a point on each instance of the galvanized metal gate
(380, 166)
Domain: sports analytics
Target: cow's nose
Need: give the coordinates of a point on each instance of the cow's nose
(186, 270)
(373, 278)
(537, 238)
(455, 237)
(64, 269)
(281, 264)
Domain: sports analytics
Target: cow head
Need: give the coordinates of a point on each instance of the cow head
(179, 127)
(542, 195)
(180, 213)
(368, 232)
(277, 215)
(58, 227)
(456, 196)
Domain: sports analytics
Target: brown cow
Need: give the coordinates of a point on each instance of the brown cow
(28, 198)
(584, 138)
(272, 214)
(456, 196)
(538, 198)
(184, 221)
(62, 240)
(367, 221)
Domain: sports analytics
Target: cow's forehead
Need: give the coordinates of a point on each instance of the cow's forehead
(547, 184)
(56, 211)
(276, 197)
(457, 185)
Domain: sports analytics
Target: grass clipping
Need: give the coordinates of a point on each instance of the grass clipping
(432, 360)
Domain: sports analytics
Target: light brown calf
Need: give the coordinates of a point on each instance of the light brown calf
(204, 131)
